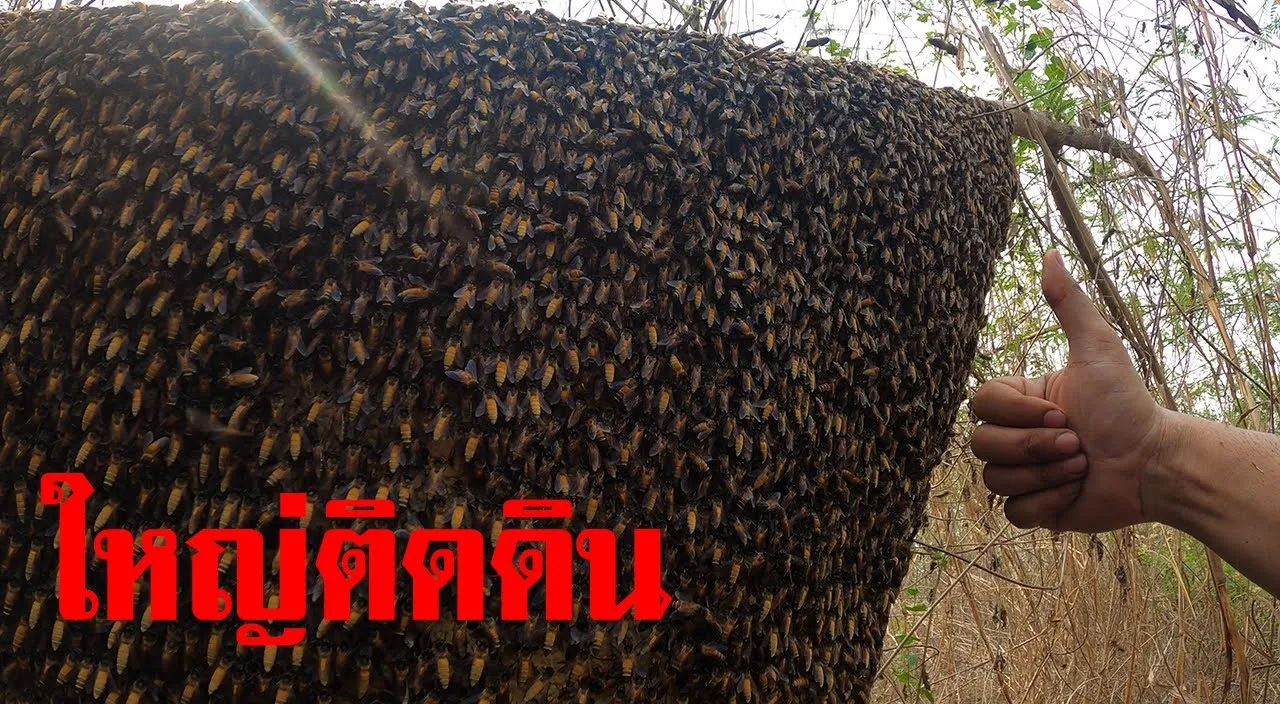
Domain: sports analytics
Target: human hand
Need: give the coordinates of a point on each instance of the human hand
(1070, 448)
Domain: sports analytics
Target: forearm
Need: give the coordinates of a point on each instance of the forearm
(1222, 486)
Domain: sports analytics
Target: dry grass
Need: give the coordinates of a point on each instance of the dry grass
(1044, 617)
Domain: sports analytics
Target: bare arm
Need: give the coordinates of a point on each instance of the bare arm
(1086, 449)
(1221, 485)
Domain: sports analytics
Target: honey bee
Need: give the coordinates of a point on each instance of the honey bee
(354, 398)
(242, 378)
(472, 446)
(469, 377)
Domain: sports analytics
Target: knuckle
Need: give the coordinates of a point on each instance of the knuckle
(1034, 444)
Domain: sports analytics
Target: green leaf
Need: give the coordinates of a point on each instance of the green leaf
(1041, 39)
(1055, 70)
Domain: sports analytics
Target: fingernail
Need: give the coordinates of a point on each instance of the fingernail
(1066, 443)
(1057, 257)
(1055, 419)
(1075, 466)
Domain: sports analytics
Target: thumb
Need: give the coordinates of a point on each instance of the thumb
(1076, 314)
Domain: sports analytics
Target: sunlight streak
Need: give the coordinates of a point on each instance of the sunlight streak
(352, 112)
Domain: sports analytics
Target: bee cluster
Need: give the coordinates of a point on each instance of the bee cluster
(454, 257)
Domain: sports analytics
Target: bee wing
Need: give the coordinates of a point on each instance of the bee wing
(306, 349)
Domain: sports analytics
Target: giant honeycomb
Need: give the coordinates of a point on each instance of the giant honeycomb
(459, 256)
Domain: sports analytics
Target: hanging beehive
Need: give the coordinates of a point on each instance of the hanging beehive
(452, 258)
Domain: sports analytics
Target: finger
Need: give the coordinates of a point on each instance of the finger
(1038, 508)
(1076, 314)
(1006, 402)
(999, 444)
(1015, 480)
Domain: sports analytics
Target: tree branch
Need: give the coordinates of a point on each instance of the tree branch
(1058, 135)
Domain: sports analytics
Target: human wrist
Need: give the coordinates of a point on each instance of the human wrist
(1163, 477)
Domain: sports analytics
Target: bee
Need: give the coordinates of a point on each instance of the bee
(123, 651)
(86, 449)
(363, 676)
(176, 494)
(139, 247)
(267, 445)
(354, 398)
(472, 446)
(386, 290)
(219, 673)
(394, 456)
(444, 671)
(240, 379)
(190, 689)
(469, 376)
(216, 249)
(677, 366)
(548, 374)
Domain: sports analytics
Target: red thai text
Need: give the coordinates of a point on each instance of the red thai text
(432, 558)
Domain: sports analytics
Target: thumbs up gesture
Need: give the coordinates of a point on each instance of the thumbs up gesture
(1070, 448)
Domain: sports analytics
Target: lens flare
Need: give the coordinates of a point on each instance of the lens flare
(347, 105)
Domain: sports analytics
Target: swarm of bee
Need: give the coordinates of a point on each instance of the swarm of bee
(457, 257)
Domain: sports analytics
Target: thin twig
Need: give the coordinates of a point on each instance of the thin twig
(810, 20)
(759, 51)
(991, 572)
(884, 663)
(1028, 101)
